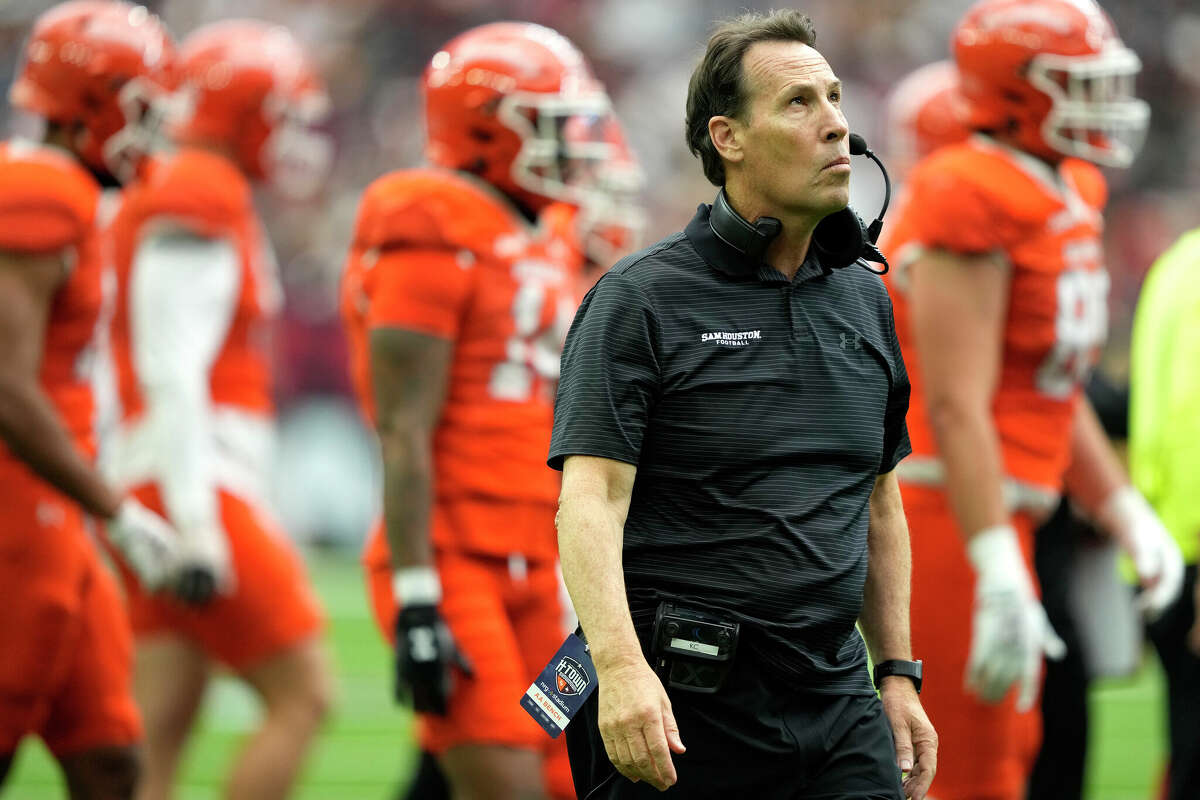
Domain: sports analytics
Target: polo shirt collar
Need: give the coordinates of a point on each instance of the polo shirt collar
(724, 258)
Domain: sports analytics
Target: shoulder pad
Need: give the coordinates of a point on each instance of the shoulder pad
(1088, 180)
(432, 208)
(47, 201)
(990, 176)
(198, 190)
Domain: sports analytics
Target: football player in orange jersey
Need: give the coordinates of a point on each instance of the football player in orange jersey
(196, 292)
(457, 294)
(65, 649)
(923, 112)
(999, 293)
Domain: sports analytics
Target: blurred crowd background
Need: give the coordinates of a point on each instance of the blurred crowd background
(372, 53)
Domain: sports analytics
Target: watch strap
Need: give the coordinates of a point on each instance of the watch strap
(908, 669)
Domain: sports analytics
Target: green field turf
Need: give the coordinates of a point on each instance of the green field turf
(367, 747)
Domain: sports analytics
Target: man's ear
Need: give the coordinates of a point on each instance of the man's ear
(726, 135)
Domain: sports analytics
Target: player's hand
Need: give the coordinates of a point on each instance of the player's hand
(916, 741)
(205, 569)
(147, 543)
(1009, 630)
(1156, 557)
(637, 724)
(426, 657)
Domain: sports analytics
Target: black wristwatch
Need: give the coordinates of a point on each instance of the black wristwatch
(908, 669)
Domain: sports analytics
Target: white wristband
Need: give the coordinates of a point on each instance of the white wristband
(996, 548)
(416, 586)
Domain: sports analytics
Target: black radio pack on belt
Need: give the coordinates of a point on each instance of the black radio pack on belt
(692, 650)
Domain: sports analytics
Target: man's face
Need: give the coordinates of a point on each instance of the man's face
(793, 131)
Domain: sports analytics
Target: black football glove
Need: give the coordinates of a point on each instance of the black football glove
(425, 657)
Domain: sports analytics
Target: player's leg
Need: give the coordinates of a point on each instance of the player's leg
(170, 674)
(1182, 667)
(487, 745)
(92, 726)
(102, 773)
(985, 750)
(428, 782)
(295, 687)
(267, 631)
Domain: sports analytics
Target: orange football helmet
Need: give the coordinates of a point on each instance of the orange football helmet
(106, 65)
(516, 104)
(923, 113)
(612, 220)
(1053, 73)
(250, 86)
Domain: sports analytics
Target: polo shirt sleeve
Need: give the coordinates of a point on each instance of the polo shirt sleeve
(895, 430)
(609, 375)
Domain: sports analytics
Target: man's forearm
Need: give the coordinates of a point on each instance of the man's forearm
(885, 612)
(33, 431)
(407, 496)
(590, 534)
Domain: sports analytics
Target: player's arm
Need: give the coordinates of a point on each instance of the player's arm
(412, 318)
(409, 374)
(636, 721)
(958, 306)
(1099, 485)
(30, 426)
(182, 294)
(28, 421)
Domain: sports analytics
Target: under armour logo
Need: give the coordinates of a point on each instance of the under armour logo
(846, 340)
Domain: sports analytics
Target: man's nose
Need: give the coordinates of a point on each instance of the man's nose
(837, 128)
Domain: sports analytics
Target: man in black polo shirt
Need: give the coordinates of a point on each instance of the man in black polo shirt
(730, 410)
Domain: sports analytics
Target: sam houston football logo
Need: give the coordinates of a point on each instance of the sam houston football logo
(569, 676)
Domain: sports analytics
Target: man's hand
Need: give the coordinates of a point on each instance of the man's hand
(148, 544)
(1009, 632)
(1131, 521)
(425, 656)
(205, 569)
(916, 741)
(637, 724)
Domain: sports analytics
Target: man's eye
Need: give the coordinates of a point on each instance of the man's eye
(835, 97)
(799, 99)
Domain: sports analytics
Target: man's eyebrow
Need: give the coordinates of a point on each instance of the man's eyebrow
(796, 86)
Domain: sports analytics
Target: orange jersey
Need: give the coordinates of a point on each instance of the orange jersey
(48, 204)
(441, 254)
(980, 197)
(206, 195)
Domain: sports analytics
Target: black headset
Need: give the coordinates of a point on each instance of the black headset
(841, 239)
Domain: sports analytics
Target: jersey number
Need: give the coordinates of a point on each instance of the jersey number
(533, 350)
(1080, 327)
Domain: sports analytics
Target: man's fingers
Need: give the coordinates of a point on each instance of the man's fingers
(1030, 681)
(639, 757)
(674, 741)
(660, 754)
(902, 736)
(624, 760)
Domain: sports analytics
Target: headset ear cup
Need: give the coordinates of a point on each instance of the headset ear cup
(840, 239)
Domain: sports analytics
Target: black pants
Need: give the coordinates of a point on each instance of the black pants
(1169, 634)
(755, 738)
(1058, 772)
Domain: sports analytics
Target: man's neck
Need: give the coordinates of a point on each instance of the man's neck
(788, 250)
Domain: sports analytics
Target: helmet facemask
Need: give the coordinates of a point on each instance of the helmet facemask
(1094, 113)
(297, 156)
(148, 110)
(564, 141)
